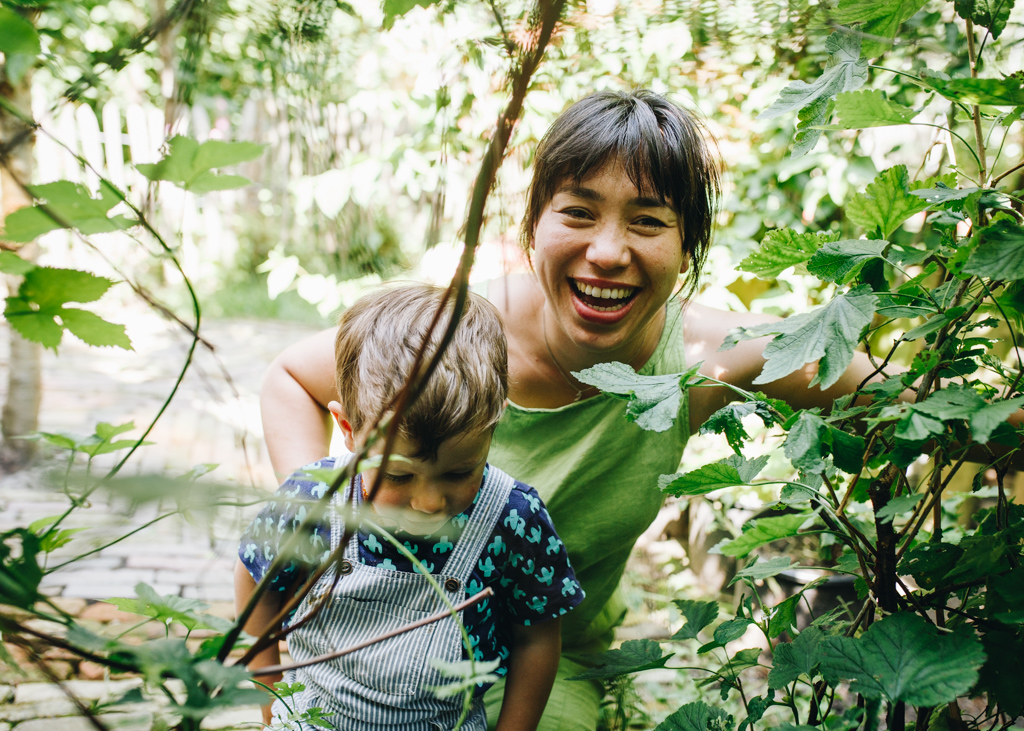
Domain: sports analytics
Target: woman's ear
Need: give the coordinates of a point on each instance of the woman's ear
(685, 265)
(338, 411)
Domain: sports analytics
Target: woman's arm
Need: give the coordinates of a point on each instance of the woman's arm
(531, 673)
(293, 403)
(266, 609)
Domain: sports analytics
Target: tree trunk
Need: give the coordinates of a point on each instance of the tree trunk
(24, 381)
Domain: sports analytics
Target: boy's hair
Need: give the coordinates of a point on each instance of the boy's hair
(664, 149)
(378, 338)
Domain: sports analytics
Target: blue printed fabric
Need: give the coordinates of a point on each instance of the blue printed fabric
(524, 563)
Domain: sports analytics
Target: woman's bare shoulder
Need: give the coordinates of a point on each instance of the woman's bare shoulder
(517, 298)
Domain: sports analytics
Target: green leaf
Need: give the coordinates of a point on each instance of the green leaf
(70, 205)
(731, 630)
(760, 570)
(847, 450)
(991, 14)
(846, 71)
(1001, 674)
(697, 716)
(47, 286)
(698, 615)
(632, 657)
(11, 263)
(929, 563)
(466, 675)
(887, 202)
(394, 9)
(729, 419)
(942, 193)
(790, 660)
(995, 92)
(653, 400)
(17, 34)
(840, 261)
(782, 617)
(898, 506)
(806, 443)
(903, 658)
(729, 472)
(170, 609)
(881, 18)
(827, 335)
(93, 330)
(868, 108)
(984, 421)
(189, 164)
(759, 532)
(927, 419)
(780, 249)
(1000, 252)
(809, 122)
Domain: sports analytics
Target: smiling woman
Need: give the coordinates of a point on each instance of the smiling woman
(621, 204)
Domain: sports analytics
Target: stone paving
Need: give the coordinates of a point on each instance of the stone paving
(214, 418)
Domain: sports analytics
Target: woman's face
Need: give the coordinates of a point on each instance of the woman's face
(607, 259)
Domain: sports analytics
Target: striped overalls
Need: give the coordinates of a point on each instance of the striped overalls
(383, 686)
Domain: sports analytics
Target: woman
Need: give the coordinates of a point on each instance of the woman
(621, 204)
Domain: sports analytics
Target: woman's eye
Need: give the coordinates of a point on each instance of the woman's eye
(581, 213)
(648, 222)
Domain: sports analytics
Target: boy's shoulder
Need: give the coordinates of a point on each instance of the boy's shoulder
(311, 480)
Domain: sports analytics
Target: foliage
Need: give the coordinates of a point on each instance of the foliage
(937, 623)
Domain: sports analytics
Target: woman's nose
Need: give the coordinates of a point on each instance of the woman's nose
(608, 248)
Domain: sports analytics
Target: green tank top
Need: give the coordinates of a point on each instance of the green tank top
(598, 475)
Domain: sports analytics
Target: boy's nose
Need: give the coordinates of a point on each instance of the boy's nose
(427, 500)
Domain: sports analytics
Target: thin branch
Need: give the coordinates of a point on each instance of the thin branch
(975, 109)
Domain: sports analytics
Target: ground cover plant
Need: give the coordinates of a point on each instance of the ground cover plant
(938, 311)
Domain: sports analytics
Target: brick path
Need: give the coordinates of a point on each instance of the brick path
(214, 418)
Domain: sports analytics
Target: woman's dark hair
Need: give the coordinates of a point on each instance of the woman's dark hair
(664, 148)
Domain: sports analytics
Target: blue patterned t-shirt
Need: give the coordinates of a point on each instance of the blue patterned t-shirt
(524, 561)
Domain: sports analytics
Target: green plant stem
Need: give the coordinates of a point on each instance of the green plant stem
(959, 137)
(907, 534)
(975, 109)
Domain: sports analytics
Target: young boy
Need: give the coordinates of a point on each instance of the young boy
(470, 524)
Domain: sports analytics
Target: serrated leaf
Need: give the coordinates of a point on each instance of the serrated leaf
(394, 9)
(653, 400)
(632, 657)
(466, 675)
(991, 14)
(170, 608)
(760, 570)
(827, 335)
(996, 92)
(878, 19)
(697, 716)
(37, 327)
(17, 34)
(728, 420)
(887, 202)
(48, 286)
(805, 444)
(868, 108)
(840, 261)
(847, 450)
(903, 658)
(698, 615)
(790, 660)
(942, 193)
(109, 431)
(809, 121)
(846, 71)
(780, 249)
(11, 263)
(927, 419)
(1000, 252)
(929, 563)
(189, 164)
(1001, 674)
(730, 630)
(782, 617)
(93, 330)
(732, 471)
(70, 205)
(984, 421)
(760, 532)
(898, 506)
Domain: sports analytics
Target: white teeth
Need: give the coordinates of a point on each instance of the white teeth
(604, 293)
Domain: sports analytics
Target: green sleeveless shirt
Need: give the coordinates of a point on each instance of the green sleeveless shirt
(598, 475)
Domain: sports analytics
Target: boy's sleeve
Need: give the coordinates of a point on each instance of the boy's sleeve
(537, 582)
(275, 525)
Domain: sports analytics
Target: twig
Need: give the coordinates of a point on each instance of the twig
(274, 669)
(975, 109)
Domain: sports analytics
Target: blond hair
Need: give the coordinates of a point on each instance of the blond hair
(378, 338)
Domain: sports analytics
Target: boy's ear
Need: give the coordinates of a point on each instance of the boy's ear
(344, 424)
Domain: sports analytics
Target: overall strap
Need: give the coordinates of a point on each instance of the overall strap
(341, 501)
(490, 504)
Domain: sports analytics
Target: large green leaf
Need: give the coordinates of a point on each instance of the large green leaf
(790, 660)
(728, 420)
(806, 443)
(903, 658)
(929, 563)
(1001, 674)
(868, 108)
(653, 400)
(809, 122)
(167, 609)
(698, 615)
(1000, 252)
(189, 164)
(632, 657)
(760, 570)
(991, 14)
(846, 71)
(989, 417)
(879, 20)
(759, 532)
(996, 92)
(17, 34)
(394, 9)
(827, 335)
(780, 249)
(11, 263)
(732, 471)
(697, 716)
(887, 202)
(840, 261)
(65, 204)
